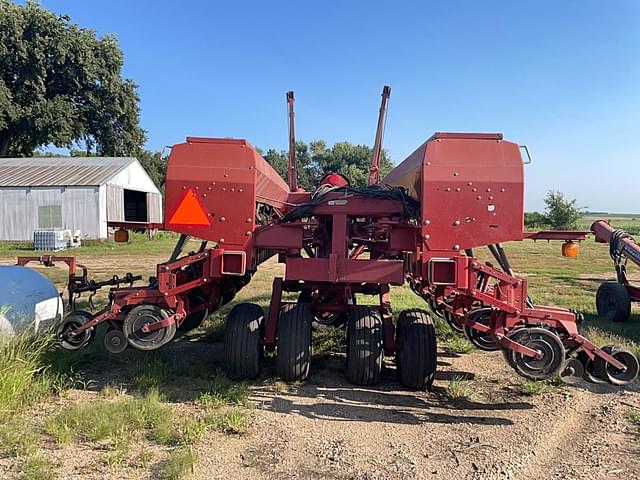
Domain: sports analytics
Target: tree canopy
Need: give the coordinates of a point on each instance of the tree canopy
(60, 84)
(560, 213)
(317, 159)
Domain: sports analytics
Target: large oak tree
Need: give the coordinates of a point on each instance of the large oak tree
(60, 84)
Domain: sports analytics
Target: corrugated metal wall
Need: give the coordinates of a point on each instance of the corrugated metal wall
(115, 203)
(19, 210)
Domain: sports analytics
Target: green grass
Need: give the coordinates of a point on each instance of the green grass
(532, 388)
(460, 388)
(458, 344)
(37, 468)
(634, 416)
(117, 421)
(24, 376)
(223, 391)
(232, 421)
(179, 465)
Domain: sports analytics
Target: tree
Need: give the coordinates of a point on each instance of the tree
(563, 214)
(60, 84)
(317, 159)
(155, 165)
(535, 220)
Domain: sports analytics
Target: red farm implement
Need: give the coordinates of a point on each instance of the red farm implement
(420, 225)
(613, 299)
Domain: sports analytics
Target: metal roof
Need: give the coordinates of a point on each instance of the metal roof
(60, 171)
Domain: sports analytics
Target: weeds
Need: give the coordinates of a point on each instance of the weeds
(233, 421)
(24, 377)
(222, 391)
(37, 468)
(458, 344)
(460, 388)
(179, 464)
(634, 416)
(116, 421)
(17, 438)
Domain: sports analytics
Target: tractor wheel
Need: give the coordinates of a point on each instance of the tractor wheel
(294, 342)
(544, 341)
(194, 320)
(613, 302)
(483, 340)
(364, 345)
(416, 357)
(243, 349)
(143, 315)
(613, 375)
(72, 321)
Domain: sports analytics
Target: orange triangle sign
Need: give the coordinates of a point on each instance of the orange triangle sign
(190, 211)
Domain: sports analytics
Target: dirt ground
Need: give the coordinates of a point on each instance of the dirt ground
(328, 428)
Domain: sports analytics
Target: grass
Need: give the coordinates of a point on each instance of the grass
(634, 416)
(460, 388)
(24, 376)
(458, 344)
(223, 391)
(232, 421)
(532, 388)
(37, 468)
(180, 464)
(117, 421)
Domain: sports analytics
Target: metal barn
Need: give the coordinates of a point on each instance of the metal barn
(75, 193)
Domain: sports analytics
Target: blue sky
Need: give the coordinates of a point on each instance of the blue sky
(562, 77)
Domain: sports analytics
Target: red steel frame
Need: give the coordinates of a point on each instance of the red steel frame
(470, 189)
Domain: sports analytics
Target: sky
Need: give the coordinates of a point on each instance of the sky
(562, 77)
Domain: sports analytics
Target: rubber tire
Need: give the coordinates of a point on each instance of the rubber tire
(478, 338)
(243, 351)
(617, 293)
(601, 367)
(194, 320)
(365, 339)
(416, 358)
(79, 317)
(293, 360)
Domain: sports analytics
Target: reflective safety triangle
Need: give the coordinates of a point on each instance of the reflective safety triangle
(190, 211)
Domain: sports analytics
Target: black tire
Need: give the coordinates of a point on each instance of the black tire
(416, 358)
(243, 350)
(613, 302)
(364, 345)
(72, 321)
(194, 320)
(612, 375)
(143, 315)
(294, 342)
(483, 341)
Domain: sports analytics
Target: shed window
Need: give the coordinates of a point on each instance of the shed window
(50, 216)
(135, 206)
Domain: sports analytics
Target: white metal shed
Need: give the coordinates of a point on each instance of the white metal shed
(75, 193)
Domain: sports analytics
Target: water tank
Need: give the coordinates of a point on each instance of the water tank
(28, 300)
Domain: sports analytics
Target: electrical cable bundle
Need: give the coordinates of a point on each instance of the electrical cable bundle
(616, 247)
(411, 206)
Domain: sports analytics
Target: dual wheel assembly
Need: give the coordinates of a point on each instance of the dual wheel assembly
(415, 355)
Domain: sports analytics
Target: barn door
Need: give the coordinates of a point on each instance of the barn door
(115, 203)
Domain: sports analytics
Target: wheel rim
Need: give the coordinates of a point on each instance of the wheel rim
(74, 340)
(622, 377)
(482, 340)
(547, 344)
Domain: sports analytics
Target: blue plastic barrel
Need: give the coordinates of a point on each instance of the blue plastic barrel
(28, 300)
